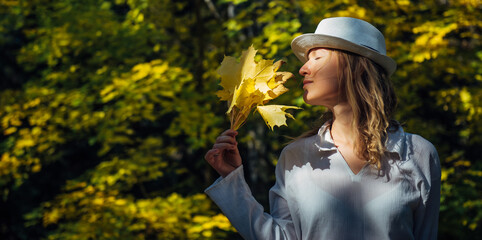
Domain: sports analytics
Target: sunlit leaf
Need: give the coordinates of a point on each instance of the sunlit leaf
(275, 115)
(247, 84)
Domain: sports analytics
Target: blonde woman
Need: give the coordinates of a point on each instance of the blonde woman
(358, 176)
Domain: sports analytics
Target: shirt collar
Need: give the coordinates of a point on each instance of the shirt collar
(395, 141)
(323, 141)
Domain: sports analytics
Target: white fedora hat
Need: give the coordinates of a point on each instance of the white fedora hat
(349, 34)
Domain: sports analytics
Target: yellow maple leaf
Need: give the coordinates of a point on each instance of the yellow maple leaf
(246, 95)
(275, 115)
(244, 99)
(247, 84)
(276, 85)
(233, 72)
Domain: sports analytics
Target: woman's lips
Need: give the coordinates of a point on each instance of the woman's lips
(306, 82)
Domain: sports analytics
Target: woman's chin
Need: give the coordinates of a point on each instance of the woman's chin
(307, 99)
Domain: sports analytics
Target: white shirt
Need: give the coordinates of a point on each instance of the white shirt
(317, 196)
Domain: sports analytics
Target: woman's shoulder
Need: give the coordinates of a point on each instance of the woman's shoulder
(308, 140)
(297, 151)
(299, 144)
(419, 145)
(423, 154)
(409, 144)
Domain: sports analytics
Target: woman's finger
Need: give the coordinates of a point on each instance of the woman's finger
(230, 132)
(226, 139)
(211, 154)
(223, 146)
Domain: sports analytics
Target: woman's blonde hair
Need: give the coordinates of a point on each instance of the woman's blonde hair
(368, 90)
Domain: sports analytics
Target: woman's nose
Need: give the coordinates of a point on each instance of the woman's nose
(304, 70)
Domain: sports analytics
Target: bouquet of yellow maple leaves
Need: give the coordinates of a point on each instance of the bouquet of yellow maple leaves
(248, 84)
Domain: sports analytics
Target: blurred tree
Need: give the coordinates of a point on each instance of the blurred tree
(107, 107)
(109, 124)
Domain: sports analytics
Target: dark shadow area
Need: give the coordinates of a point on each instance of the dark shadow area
(40, 187)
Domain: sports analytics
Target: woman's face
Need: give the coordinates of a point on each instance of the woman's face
(321, 79)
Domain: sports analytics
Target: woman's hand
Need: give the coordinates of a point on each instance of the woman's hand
(224, 156)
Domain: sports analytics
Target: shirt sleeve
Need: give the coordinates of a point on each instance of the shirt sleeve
(234, 198)
(427, 212)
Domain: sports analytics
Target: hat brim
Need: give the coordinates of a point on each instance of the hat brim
(301, 45)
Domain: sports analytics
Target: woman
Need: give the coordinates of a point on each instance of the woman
(359, 176)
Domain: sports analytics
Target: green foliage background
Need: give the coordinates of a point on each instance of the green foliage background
(108, 106)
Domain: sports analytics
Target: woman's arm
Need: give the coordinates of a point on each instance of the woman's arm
(234, 198)
(427, 213)
(233, 195)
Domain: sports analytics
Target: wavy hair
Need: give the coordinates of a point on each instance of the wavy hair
(368, 89)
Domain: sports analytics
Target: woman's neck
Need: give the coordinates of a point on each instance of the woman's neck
(342, 130)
